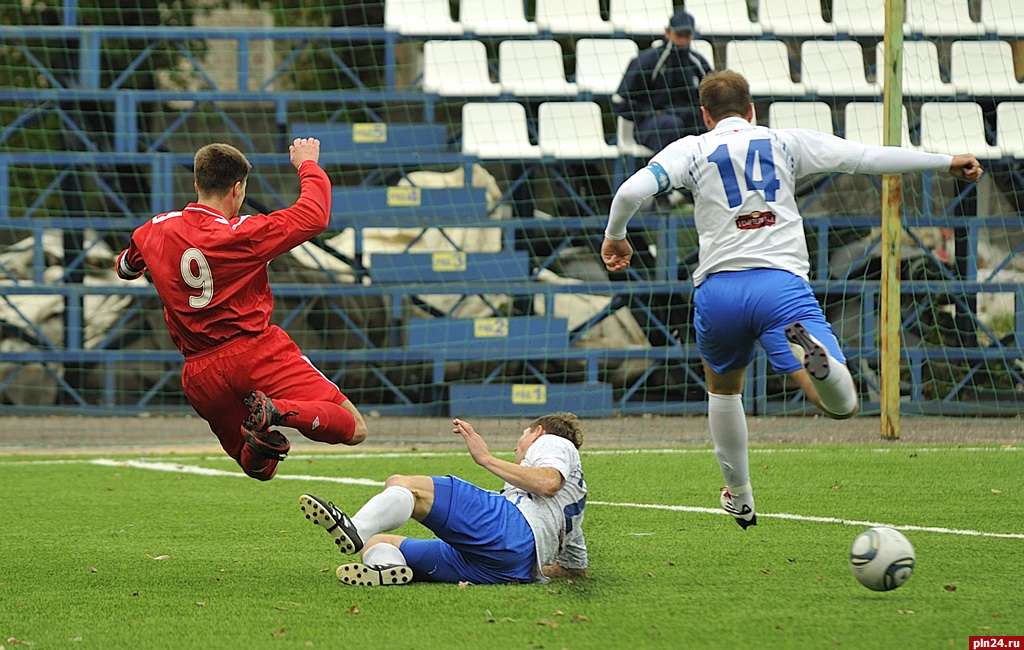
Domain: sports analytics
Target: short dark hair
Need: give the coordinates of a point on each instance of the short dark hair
(725, 93)
(563, 425)
(218, 167)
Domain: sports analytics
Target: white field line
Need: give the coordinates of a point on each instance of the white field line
(206, 471)
(590, 452)
(209, 471)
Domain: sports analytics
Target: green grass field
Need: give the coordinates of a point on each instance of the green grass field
(115, 556)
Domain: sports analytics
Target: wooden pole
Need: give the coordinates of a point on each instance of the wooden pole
(892, 230)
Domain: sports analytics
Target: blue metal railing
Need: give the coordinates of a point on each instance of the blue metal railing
(132, 148)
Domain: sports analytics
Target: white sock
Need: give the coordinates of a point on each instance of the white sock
(383, 554)
(837, 393)
(386, 511)
(728, 425)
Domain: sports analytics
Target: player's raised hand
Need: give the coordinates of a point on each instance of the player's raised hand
(966, 166)
(616, 254)
(303, 149)
(474, 442)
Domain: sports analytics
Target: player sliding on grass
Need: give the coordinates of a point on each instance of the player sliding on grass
(532, 529)
(209, 266)
(751, 282)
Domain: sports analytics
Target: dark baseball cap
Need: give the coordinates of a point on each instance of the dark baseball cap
(682, 22)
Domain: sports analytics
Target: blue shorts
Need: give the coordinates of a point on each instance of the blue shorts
(736, 308)
(484, 539)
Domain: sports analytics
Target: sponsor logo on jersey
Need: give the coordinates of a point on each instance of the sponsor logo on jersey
(755, 220)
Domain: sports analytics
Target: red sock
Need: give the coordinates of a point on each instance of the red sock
(320, 421)
(256, 466)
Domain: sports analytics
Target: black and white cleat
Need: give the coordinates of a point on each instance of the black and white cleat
(362, 575)
(744, 516)
(815, 355)
(329, 517)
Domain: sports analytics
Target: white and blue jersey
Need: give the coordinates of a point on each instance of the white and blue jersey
(556, 521)
(743, 179)
(487, 538)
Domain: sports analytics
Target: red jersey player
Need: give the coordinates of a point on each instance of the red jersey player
(209, 266)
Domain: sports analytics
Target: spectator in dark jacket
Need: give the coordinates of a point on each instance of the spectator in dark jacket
(658, 93)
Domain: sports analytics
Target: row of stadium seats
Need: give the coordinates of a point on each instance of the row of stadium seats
(535, 68)
(713, 17)
(574, 130)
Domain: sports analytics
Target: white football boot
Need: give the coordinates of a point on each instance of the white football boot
(743, 515)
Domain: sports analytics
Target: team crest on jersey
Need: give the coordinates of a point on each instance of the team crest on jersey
(755, 220)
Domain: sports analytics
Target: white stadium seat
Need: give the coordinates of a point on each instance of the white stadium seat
(835, 68)
(864, 124)
(765, 64)
(626, 142)
(457, 68)
(1004, 17)
(722, 18)
(920, 70)
(573, 130)
(495, 18)
(859, 17)
(954, 128)
(794, 18)
(420, 17)
(1010, 128)
(496, 130)
(984, 68)
(941, 18)
(641, 16)
(572, 17)
(601, 62)
(816, 116)
(533, 68)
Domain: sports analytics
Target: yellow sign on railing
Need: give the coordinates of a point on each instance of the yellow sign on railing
(529, 394)
(404, 197)
(490, 328)
(448, 261)
(369, 133)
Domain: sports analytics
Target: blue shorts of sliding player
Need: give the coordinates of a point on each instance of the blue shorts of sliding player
(736, 308)
(484, 539)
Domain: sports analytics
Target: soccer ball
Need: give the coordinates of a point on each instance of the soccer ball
(881, 558)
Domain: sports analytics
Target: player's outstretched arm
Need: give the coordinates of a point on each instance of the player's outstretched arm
(543, 481)
(283, 230)
(820, 152)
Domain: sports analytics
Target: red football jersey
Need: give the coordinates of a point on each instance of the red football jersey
(211, 271)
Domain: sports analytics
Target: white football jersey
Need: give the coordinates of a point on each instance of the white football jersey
(743, 178)
(557, 521)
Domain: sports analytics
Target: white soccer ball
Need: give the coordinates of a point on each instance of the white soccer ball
(881, 558)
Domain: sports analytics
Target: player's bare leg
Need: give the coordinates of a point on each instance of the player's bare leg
(728, 425)
(320, 421)
(403, 497)
(825, 380)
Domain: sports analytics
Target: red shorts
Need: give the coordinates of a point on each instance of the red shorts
(216, 381)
